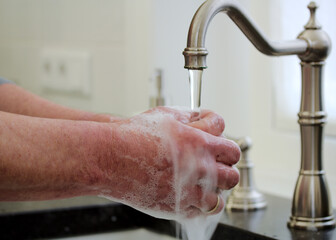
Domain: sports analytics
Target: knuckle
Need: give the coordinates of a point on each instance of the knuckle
(216, 124)
(235, 179)
(235, 152)
(202, 171)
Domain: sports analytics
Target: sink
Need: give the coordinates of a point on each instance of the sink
(139, 234)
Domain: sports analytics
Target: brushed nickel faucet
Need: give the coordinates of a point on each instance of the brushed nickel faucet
(311, 206)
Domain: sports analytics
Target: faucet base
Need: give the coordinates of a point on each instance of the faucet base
(245, 196)
(311, 205)
(312, 224)
(245, 199)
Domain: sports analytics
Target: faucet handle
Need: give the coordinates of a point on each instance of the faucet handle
(244, 143)
(312, 23)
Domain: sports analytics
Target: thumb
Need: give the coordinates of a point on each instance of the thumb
(209, 122)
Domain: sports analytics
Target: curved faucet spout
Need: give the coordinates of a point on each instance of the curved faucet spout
(312, 46)
(195, 52)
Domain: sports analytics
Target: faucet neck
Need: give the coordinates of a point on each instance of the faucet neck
(195, 53)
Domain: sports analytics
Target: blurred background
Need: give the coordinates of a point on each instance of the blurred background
(104, 56)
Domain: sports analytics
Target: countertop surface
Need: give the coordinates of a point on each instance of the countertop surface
(270, 223)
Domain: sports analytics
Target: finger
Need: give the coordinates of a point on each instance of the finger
(192, 212)
(207, 201)
(181, 114)
(225, 151)
(213, 204)
(228, 177)
(209, 122)
(188, 205)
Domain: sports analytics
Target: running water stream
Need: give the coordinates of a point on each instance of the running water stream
(195, 80)
(202, 227)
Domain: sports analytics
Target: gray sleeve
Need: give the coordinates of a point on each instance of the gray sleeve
(2, 81)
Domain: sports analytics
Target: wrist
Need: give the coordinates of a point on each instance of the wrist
(98, 173)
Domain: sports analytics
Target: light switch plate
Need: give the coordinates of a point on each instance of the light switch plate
(66, 70)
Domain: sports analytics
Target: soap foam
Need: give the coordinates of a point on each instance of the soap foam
(184, 167)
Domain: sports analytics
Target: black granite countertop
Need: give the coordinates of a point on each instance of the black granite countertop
(270, 223)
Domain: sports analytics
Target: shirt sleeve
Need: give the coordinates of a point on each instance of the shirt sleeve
(3, 81)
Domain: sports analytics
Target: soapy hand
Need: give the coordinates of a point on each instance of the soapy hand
(170, 166)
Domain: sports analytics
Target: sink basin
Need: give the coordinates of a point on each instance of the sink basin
(139, 234)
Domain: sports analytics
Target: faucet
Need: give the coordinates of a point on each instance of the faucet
(311, 204)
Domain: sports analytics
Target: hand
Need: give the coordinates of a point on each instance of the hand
(168, 166)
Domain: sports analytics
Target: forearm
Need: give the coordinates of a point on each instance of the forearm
(15, 99)
(47, 159)
(157, 162)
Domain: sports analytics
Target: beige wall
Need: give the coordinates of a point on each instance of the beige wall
(128, 39)
(105, 29)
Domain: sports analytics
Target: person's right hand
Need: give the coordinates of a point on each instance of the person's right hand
(165, 164)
